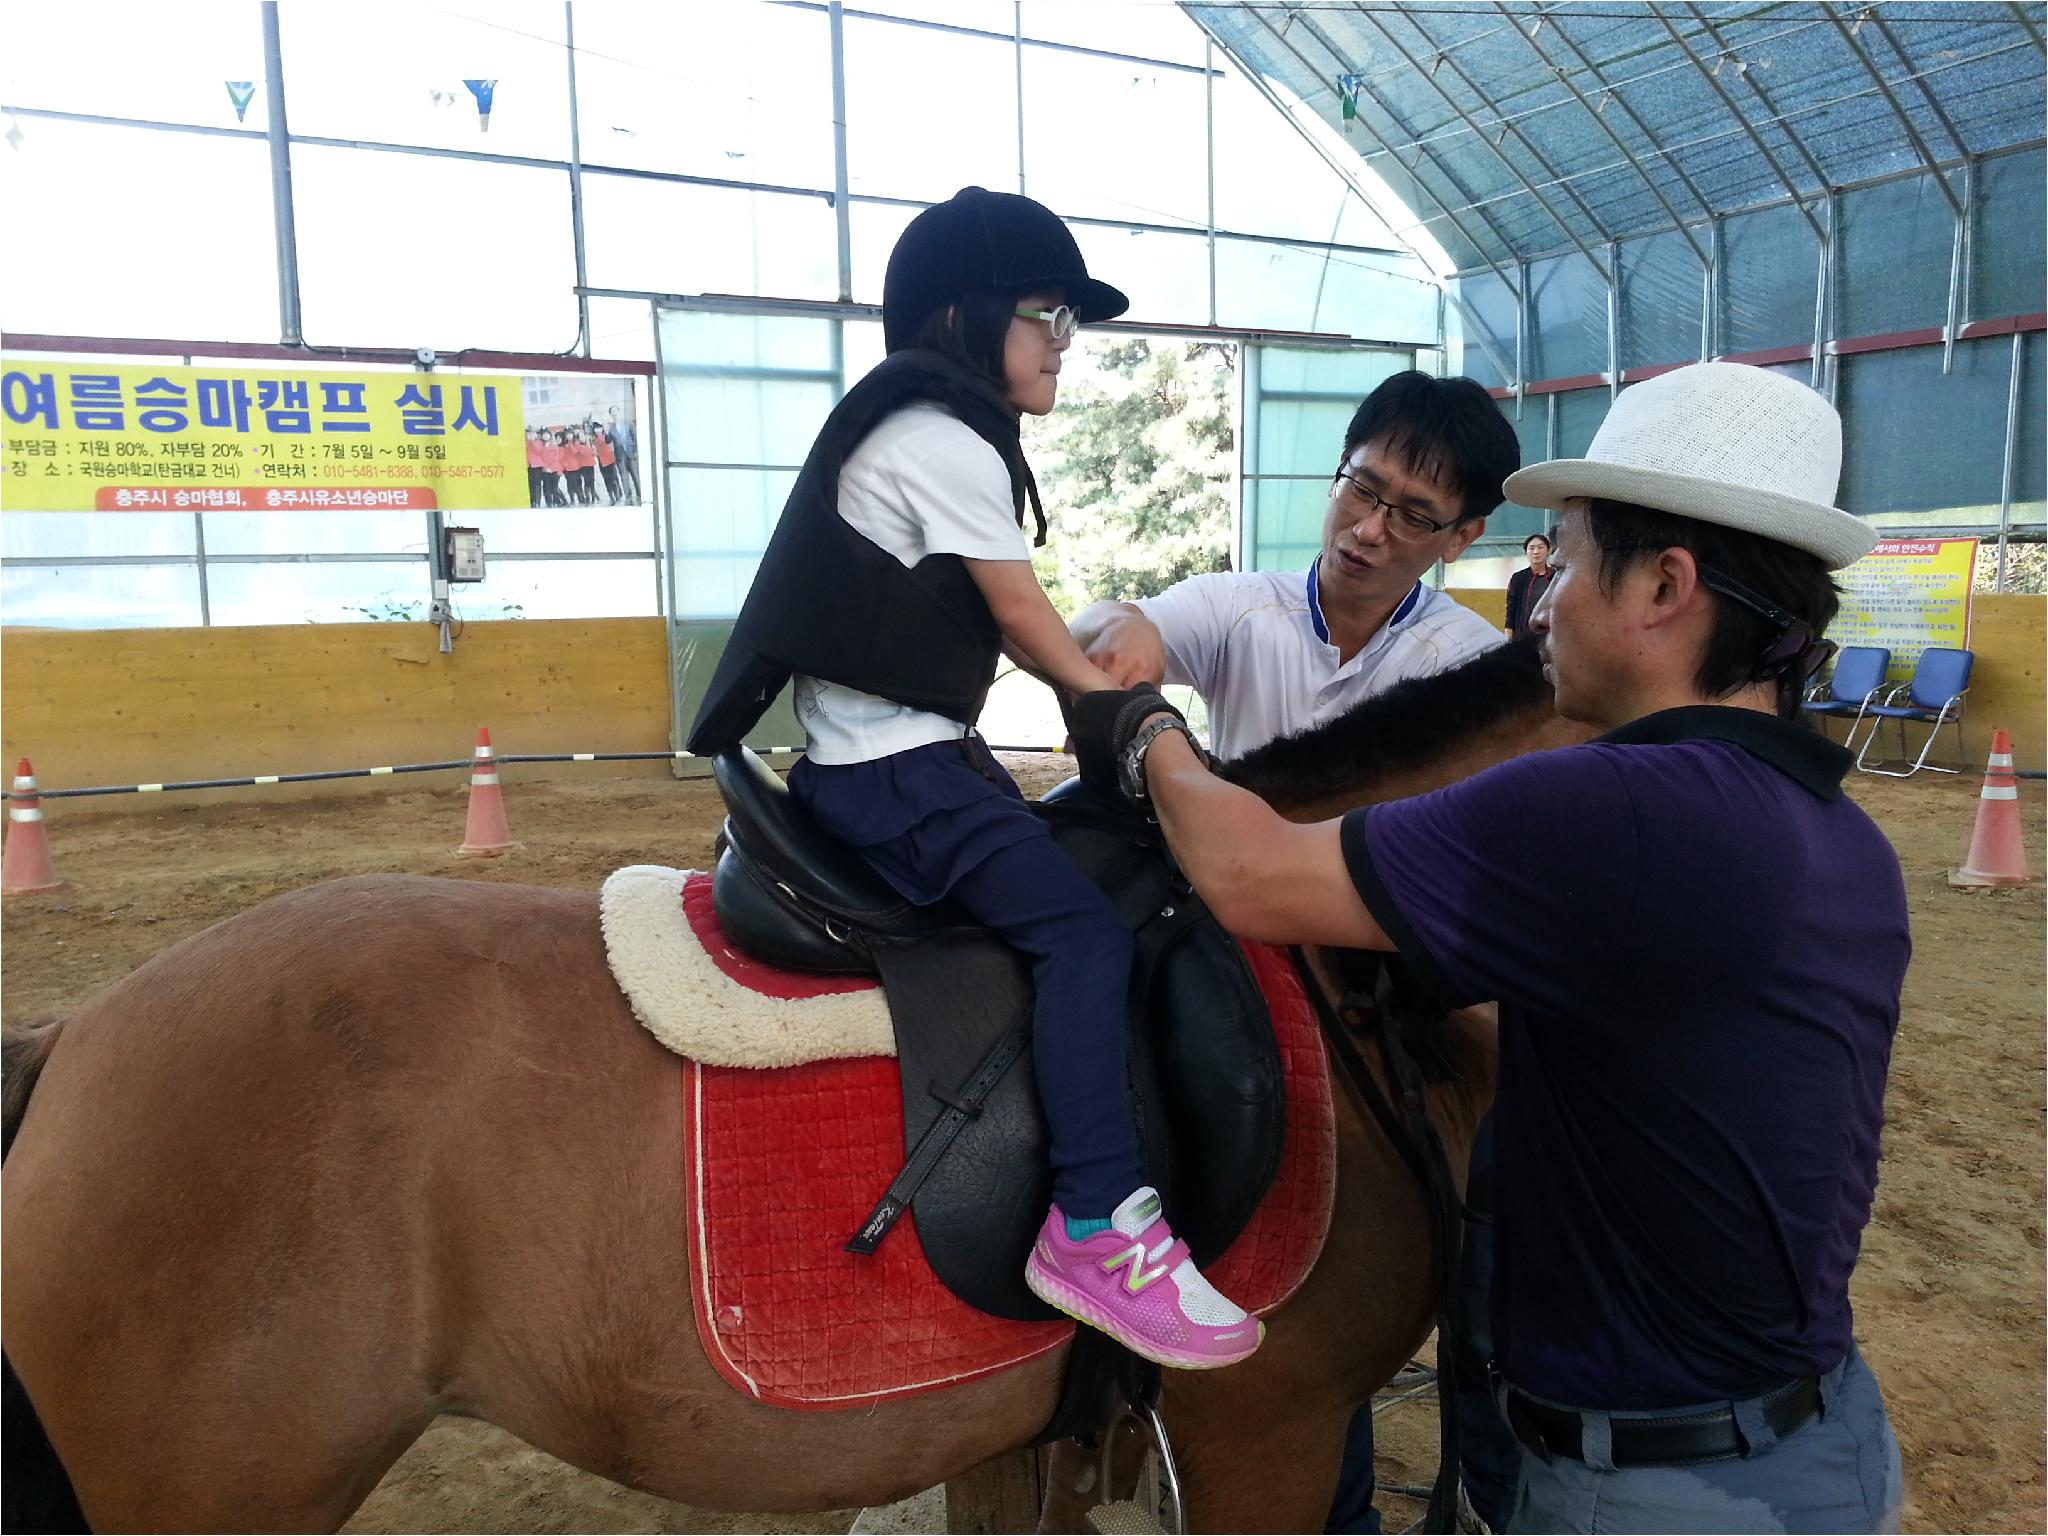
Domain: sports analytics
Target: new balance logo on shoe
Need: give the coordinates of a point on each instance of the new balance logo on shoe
(1138, 1276)
(1121, 1294)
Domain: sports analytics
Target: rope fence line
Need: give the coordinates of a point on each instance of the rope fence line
(388, 770)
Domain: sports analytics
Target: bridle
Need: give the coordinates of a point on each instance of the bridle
(1405, 1122)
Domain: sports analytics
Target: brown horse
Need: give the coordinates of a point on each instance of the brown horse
(393, 1147)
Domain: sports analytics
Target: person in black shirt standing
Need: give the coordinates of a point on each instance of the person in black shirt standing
(1527, 586)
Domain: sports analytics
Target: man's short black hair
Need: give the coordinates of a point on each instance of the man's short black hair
(1447, 429)
(1792, 579)
(1533, 538)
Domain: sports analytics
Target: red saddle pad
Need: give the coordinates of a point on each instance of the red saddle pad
(786, 1164)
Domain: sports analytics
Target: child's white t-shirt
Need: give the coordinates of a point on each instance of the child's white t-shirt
(922, 483)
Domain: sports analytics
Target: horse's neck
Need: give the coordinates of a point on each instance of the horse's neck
(1537, 730)
(1467, 1037)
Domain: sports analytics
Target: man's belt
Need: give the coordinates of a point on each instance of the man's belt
(1710, 1435)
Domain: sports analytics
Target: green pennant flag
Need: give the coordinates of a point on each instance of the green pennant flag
(1348, 87)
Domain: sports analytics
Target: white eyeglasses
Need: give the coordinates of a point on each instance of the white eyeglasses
(1063, 321)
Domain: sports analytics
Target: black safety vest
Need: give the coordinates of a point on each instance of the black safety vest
(830, 603)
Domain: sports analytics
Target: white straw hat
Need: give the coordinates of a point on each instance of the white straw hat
(1721, 442)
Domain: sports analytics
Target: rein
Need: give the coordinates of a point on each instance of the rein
(1409, 1130)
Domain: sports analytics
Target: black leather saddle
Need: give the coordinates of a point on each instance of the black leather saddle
(1205, 1072)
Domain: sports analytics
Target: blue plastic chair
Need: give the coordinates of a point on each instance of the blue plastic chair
(1857, 683)
(1935, 695)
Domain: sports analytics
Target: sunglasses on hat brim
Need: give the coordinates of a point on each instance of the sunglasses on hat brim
(1796, 645)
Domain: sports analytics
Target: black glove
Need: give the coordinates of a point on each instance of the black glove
(1103, 724)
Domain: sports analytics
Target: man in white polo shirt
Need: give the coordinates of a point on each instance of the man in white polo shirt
(1272, 652)
(1276, 652)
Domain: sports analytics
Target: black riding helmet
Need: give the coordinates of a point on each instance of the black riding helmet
(979, 241)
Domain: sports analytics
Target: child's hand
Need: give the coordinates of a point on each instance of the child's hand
(1126, 645)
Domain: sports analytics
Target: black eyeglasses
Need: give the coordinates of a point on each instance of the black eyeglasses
(1402, 522)
(1796, 645)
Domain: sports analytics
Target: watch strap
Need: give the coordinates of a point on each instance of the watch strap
(1131, 765)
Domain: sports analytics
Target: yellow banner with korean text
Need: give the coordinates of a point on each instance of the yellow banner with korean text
(1908, 595)
(83, 436)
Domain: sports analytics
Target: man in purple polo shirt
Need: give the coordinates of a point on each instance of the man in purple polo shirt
(1698, 976)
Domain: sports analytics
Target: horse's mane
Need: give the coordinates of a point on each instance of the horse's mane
(1408, 724)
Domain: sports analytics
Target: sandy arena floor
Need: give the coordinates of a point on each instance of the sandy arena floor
(1949, 1295)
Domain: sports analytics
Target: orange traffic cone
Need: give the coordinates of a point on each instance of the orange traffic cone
(25, 864)
(487, 835)
(1997, 856)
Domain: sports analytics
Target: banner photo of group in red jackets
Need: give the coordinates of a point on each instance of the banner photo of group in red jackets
(582, 443)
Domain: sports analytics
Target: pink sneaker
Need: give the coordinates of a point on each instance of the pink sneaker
(1137, 1284)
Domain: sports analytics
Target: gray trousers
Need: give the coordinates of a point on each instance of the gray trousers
(1837, 1472)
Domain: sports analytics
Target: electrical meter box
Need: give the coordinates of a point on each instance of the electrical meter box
(465, 554)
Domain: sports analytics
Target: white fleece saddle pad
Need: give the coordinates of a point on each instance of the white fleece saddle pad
(710, 1002)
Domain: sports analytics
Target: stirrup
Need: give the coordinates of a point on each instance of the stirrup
(1155, 1506)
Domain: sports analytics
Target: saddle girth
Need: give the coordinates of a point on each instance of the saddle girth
(1374, 1011)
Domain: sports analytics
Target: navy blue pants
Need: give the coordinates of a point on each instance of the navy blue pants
(1351, 1511)
(946, 821)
